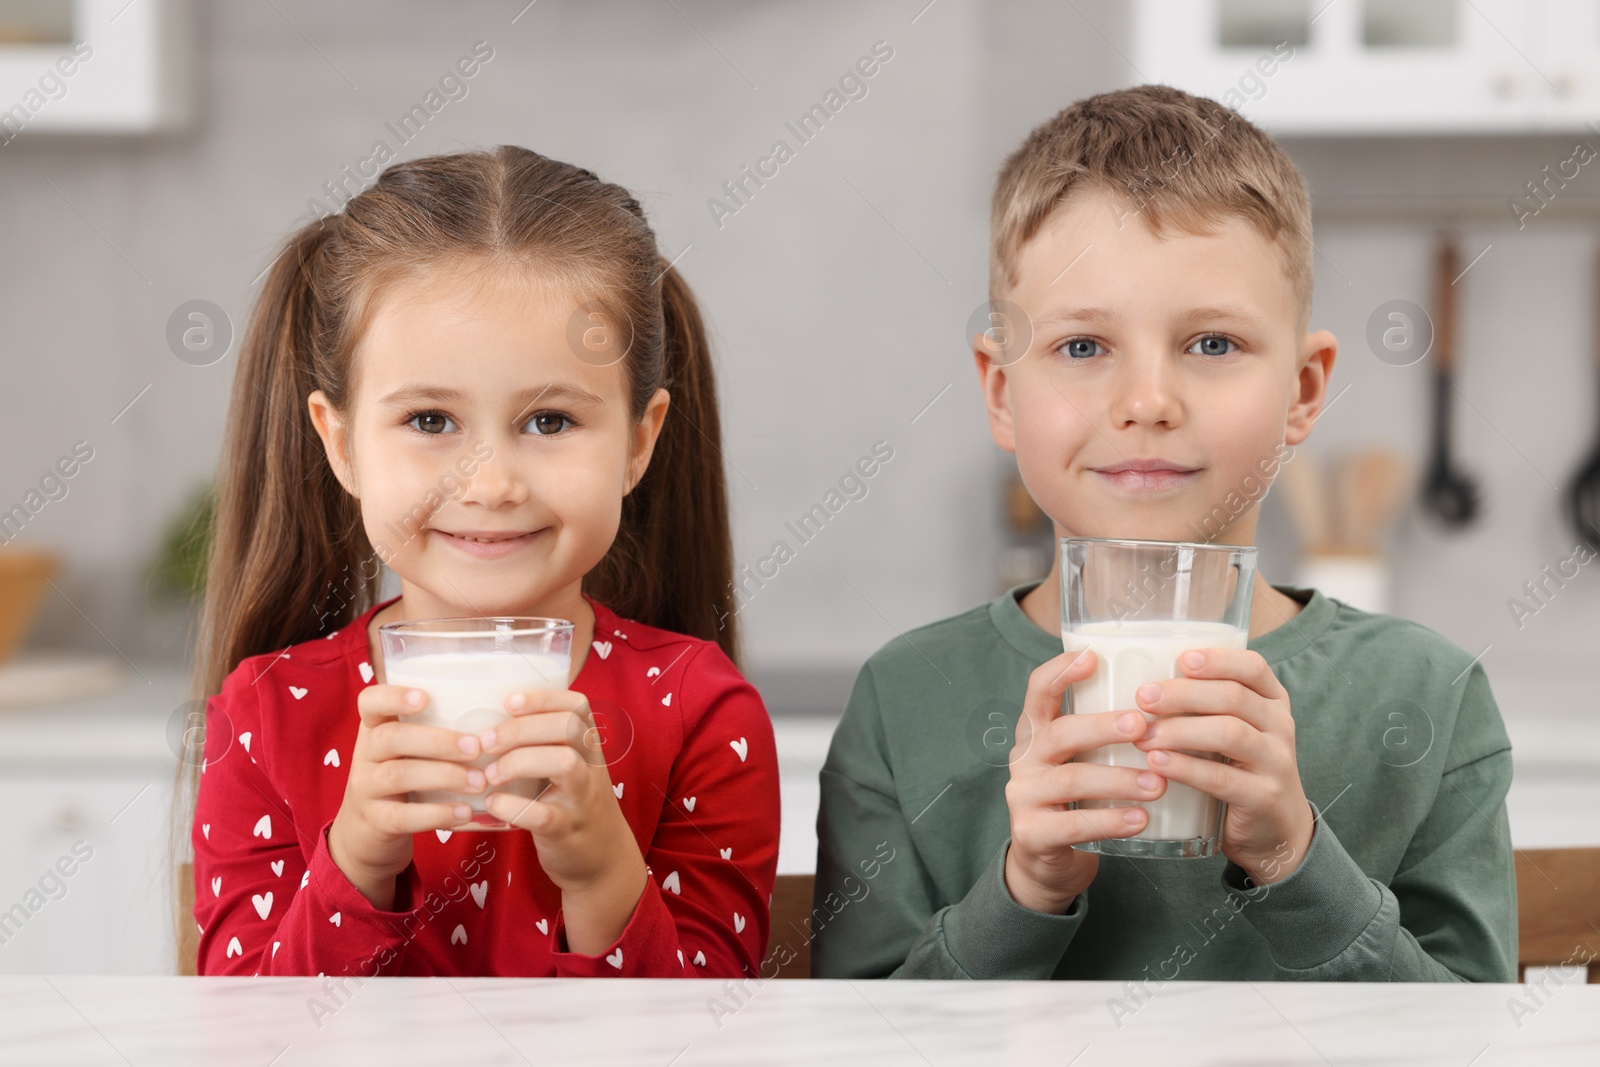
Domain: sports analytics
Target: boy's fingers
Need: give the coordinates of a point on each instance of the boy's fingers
(1226, 782)
(1208, 696)
(1245, 666)
(1072, 782)
(1068, 735)
(1063, 829)
(1223, 735)
(1048, 684)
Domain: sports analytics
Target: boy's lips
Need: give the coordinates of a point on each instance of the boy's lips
(487, 544)
(1147, 475)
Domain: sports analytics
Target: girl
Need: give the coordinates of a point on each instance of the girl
(482, 374)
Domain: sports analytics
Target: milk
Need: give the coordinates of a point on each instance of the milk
(467, 692)
(1132, 653)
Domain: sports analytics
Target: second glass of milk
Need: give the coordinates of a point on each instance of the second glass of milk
(1139, 605)
(468, 667)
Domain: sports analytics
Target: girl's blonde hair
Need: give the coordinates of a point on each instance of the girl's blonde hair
(290, 559)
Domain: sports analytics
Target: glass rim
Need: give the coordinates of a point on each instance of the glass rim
(474, 626)
(1140, 541)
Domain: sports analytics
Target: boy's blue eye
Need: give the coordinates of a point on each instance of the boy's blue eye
(430, 418)
(549, 423)
(1213, 345)
(1079, 348)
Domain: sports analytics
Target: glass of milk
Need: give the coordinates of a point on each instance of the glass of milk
(468, 667)
(1139, 605)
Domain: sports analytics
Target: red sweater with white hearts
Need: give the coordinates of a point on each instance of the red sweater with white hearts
(692, 758)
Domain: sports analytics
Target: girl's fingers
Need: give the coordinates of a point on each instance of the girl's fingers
(534, 701)
(397, 777)
(559, 763)
(535, 816)
(399, 817)
(381, 703)
(574, 728)
(392, 739)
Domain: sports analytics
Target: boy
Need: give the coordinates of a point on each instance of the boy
(1152, 251)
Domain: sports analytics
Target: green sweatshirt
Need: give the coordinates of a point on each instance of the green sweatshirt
(1409, 875)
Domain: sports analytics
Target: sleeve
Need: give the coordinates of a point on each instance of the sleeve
(875, 909)
(1449, 914)
(261, 906)
(705, 911)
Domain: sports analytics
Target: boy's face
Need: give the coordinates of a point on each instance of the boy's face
(1180, 353)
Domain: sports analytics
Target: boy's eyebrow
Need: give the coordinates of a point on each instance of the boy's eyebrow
(555, 392)
(1100, 316)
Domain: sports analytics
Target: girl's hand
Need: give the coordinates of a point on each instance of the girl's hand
(584, 843)
(1043, 871)
(370, 839)
(1233, 705)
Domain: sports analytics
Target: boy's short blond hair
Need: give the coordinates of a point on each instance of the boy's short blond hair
(1170, 156)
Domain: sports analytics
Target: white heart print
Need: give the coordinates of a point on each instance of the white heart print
(738, 923)
(671, 884)
(234, 948)
(458, 936)
(305, 879)
(444, 835)
(666, 701)
(277, 868)
(700, 959)
(741, 746)
(602, 648)
(205, 829)
(366, 671)
(727, 853)
(216, 886)
(337, 919)
(263, 903)
(689, 802)
(479, 890)
(263, 828)
(543, 925)
(299, 693)
(615, 959)
(331, 758)
(244, 739)
(617, 789)
(652, 672)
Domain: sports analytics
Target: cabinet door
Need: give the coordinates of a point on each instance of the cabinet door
(1568, 80)
(1356, 66)
(87, 878)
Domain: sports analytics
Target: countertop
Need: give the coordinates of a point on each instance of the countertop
(659, 1023)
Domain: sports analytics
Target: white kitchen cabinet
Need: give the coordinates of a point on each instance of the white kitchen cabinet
(1354, 67)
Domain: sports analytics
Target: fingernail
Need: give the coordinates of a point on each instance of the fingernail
(463, 812)
(1127, 721)
(487, 737)
(1148, 780)
(475, 779)
(1132, 815)
(468, 744)
(515, 701)
(415, 697)
(1194, 659)
(493, 771)
(1150, 693)
(1159, 757)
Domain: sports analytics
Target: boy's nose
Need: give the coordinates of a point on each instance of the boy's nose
(1144, 392)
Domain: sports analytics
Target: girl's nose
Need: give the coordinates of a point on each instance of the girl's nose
(495, 482)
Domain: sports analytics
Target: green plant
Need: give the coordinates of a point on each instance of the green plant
(179, 572)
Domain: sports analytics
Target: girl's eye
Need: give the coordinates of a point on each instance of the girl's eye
(1080, 348)
(549, 423)
(1213, 344)
(432, 422)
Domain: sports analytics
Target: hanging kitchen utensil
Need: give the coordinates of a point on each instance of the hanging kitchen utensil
(1447, 490)
(1583, 494)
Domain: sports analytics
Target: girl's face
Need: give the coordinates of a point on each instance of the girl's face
(472, 416)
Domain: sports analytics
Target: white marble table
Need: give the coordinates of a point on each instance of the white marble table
(64, 1021)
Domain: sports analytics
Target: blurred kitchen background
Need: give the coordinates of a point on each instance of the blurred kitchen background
(1441, 138)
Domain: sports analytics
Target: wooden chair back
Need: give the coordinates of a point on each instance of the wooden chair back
(1558, 909)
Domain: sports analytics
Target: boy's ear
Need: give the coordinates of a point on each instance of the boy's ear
(645, 435)
(335, 439)
(996, 395)
(1317, 353)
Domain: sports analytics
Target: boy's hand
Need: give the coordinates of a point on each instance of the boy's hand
(1043, 871)
(584, 842)
(1233, 705)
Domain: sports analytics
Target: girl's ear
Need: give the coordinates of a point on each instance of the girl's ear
(335, 439)
(645, 434)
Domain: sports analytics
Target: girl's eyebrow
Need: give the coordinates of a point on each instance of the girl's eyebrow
(554, 392)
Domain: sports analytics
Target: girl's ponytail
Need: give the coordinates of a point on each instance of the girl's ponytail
(672, 563)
